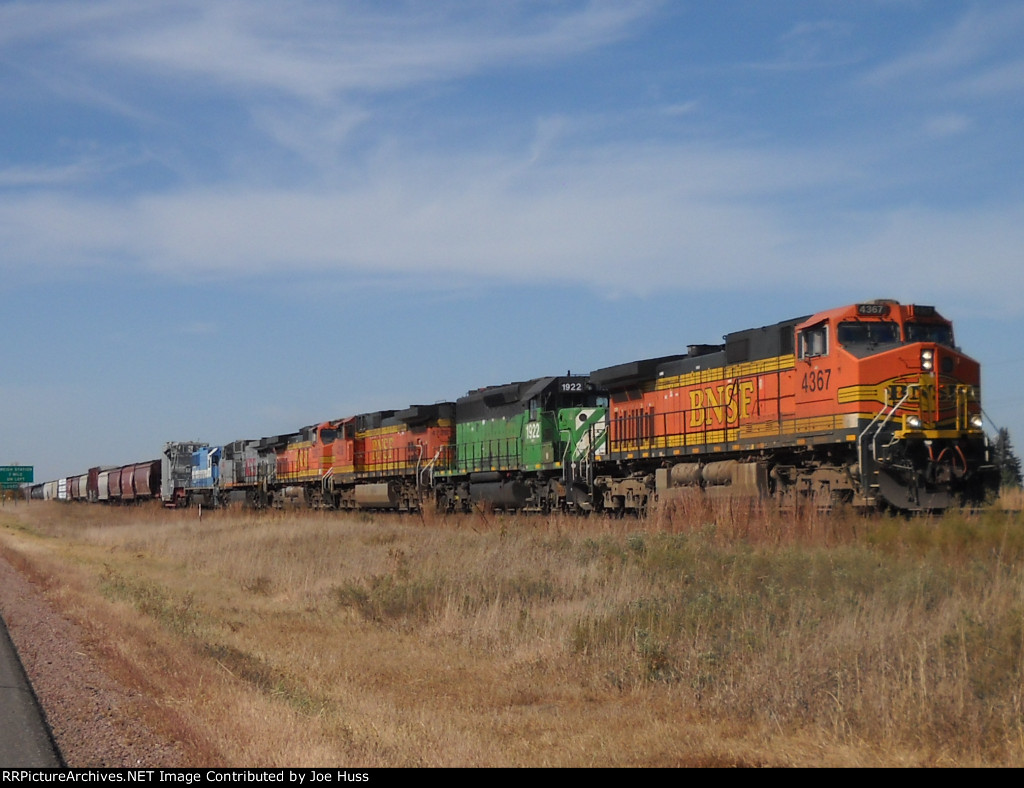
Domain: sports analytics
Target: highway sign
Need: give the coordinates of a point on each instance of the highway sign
(13, 476)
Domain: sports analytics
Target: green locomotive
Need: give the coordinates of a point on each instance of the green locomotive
(525, 446)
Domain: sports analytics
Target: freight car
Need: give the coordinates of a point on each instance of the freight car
(133, 483)
(870, 404)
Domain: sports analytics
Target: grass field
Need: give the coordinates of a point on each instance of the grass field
(708, 635)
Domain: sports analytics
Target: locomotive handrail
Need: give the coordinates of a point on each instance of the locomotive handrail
(963, 398)
(586, 461)
(419, 461)
(874, 447)
(568, 465)
(429, 467)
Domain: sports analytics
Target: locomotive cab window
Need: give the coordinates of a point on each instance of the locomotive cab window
(813, 341)
(939, 333)
(860, 333)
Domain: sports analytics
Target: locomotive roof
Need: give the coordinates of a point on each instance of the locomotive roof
(414, 415)
(748, 345)
(881, 308)
(621, 375)
(764, 342)
(510, 397)
(518, 391)
(418, 414)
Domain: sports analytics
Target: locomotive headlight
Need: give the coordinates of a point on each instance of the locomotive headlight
(927, 360)
(977, 421)
(914, 422)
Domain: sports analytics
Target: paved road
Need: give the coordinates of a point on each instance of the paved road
(25, 740)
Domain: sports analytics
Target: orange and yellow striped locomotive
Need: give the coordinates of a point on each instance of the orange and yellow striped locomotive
(383, 459)
(871, 404)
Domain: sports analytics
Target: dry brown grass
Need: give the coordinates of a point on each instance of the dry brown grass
(1011, 499)
(711, 633)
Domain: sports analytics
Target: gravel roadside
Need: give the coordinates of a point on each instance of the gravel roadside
(90, 714)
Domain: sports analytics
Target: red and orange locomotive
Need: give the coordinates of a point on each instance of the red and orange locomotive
(870, 404)
(380, 460)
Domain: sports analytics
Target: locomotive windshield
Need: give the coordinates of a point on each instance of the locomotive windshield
(868, 333)
(861, 337)
(939, 333)
(577, 392)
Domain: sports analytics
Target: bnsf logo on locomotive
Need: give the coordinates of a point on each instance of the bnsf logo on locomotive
(715, 405)
(946, 393)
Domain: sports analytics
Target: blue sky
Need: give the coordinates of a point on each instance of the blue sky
(225, 219)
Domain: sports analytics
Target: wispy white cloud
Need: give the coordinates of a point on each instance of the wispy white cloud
(300, 75)
(966, 257)
(982, 49)
(313, 51)
(822, 42)
(998, 81)
(947, 125)
(632, 217)
(48, 175)
(198, 328)
(621, 222)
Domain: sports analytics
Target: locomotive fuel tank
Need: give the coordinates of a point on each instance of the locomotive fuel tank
(379, 495)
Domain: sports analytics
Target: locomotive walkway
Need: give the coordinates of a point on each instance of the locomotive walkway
(25, 741)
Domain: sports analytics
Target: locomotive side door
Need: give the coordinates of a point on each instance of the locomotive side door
(537, 441)
(815, 371)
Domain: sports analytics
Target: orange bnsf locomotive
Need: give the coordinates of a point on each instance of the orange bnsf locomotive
(870, 404)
